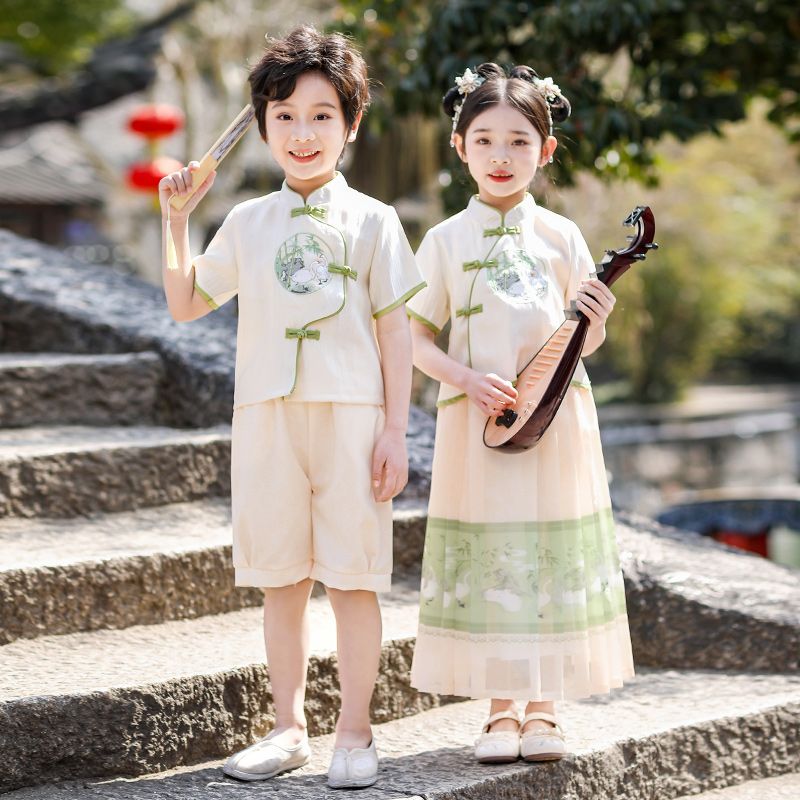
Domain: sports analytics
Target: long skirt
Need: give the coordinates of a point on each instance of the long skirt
(522, 596)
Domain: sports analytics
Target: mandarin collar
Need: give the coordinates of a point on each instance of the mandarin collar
(323, 196)
(490, 217)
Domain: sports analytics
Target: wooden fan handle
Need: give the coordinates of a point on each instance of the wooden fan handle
(211, 160)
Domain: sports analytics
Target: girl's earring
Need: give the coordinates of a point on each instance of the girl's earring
(550, 160)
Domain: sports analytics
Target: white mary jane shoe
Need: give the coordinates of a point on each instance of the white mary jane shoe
(353, 768)
(498, 747)
(266, 759)
(542, 745)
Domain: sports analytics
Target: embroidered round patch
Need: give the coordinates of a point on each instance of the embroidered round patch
(301, 263)
(518, 277)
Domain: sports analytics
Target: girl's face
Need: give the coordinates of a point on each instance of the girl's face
(307, 132)
(503, 150)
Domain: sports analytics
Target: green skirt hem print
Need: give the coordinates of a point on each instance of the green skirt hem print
(522, 596)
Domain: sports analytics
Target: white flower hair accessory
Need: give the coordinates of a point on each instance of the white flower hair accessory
(548, 88)
(466, 83)
(551, 92)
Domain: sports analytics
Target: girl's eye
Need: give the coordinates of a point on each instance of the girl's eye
(322, 116)
(522, 142)
(482, 140)
(284, 117)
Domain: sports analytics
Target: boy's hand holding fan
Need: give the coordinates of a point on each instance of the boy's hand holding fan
(181, 191)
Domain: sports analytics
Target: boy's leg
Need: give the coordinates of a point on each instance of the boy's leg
(358, 634)
(286, 635)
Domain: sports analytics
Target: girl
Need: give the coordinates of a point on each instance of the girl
(323, 377)
(522, 596)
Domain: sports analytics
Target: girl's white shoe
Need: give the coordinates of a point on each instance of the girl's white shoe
(542, 744)
(353, 768)
(498, 747)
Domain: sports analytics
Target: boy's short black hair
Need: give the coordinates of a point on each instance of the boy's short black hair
(305, 49)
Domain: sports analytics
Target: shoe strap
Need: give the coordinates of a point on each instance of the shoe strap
(542, 715)
(497, 717)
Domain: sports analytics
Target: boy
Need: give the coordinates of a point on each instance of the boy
(323, 377)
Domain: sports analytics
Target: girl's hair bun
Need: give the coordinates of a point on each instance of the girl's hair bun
(490, 70)
(560, 108)
(523, 72)
(540, 100)
(487, 71)
(450, 100)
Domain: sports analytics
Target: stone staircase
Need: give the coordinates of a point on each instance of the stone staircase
(130, 665)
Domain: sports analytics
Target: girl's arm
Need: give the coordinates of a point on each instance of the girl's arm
(183, 302)
(490, 393)
(389, 458)
(597, 306)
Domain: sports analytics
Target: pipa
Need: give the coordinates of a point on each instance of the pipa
(544, 380)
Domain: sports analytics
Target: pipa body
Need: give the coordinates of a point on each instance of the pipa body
(543, 382)
(209, 162)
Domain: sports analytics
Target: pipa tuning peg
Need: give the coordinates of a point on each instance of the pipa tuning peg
(631, 237)
(652, 246)
(639, 256)
(598, 268)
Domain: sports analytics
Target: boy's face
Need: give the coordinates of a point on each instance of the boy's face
(307, 131)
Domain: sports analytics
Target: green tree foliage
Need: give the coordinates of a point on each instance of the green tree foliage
(634, 70)
(54, 36)
(725, 286)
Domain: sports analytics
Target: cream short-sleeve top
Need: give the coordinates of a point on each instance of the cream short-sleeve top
(504, 281)
(311, 277)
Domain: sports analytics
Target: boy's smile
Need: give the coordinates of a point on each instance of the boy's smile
(304, 156)
(307, 132)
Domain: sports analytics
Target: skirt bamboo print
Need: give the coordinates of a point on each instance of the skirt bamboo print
(522, 596)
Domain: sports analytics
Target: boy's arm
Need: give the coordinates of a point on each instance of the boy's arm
(390, 460)
(184, 303)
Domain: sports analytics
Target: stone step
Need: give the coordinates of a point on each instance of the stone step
(152, 697)
(664, 735)
(694, 603)
(691, 602)
(69, 471)
(781, 787)
(69, 389)
(136, 567)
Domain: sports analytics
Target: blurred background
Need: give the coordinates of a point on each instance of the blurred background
(690, 108)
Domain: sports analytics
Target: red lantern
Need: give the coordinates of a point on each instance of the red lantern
(155, 121)
(145, 175)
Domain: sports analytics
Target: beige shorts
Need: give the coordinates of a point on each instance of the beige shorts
(301, 477)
